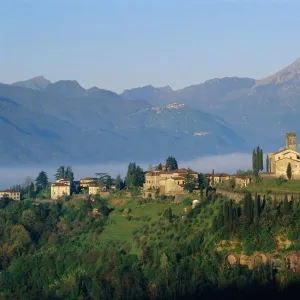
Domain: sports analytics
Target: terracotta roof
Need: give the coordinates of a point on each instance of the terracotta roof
(221, 175)
(59, 184)
(9, 191)
(95, 185)
(183, 171)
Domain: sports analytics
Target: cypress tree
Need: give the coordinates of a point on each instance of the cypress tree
(226, 214)
(214, 227)
(257, 209)
(257, 157)
(285, 208)
(220, 218)
(261, 156)
(289, 171)
(230, 221)
(254, 161)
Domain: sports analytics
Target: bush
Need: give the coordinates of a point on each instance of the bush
(187, 202)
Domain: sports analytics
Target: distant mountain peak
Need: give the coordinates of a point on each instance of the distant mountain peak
(166, 88)
(68, 88)
(36, 83)
(285, 74)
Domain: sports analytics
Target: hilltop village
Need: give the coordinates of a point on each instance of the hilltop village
(170, 180)
(69, 235)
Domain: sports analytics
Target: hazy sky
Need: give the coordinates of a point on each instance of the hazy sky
(118, 44)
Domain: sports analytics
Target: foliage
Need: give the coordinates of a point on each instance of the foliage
(257, 160)
(41, 182)
(141, 250)
(189, 183)
(135, 176)
(171, 163)
(289, 171)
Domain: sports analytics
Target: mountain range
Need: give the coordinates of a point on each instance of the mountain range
(41, 121)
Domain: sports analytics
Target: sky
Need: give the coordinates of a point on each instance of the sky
(121, 44)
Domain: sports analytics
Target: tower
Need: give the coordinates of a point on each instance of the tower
(291, 141)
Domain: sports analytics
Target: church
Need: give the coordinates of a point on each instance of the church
(277, 162)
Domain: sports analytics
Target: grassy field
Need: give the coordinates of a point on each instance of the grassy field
(119, 228)
(291, 186)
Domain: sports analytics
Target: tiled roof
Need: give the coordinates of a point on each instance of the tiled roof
(59, 184)
(182, 171)
(9, 191)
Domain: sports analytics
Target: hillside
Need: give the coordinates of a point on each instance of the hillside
(261, 111)
(65, 122)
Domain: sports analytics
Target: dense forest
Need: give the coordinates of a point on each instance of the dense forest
(57, 250)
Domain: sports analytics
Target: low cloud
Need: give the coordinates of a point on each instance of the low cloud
(220, 163)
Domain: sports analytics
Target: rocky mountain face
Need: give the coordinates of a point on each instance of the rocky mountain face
(37, 83)
(66, 123)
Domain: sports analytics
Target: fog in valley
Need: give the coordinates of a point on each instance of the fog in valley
(220, 163)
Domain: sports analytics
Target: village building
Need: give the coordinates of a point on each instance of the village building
(59, 189)
(166, 182)
(241, 181)
(277, 162)
(95, 189)
(215, 178)
(12, 194)
(64, 181)
(86, 182)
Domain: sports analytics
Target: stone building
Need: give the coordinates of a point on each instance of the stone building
(241, 181)
(277, 162)
(86, 182)
(10, 194)
(166, 182)
(95, 189)
(59, 189)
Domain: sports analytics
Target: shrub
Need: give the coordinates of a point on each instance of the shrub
(187, 202)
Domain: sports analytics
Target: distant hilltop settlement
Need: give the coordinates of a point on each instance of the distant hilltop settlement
(169, 180)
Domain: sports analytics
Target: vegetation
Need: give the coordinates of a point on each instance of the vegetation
(135, 248)
(257, 160)
(135, 176)
(171, 163)
(289, 171)
(127, 247)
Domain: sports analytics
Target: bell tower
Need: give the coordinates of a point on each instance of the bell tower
(290, 141)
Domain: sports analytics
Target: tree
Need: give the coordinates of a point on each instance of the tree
(189, 184)
(257, 209)
(257, 160)
(289, 171)
(108, 181)
(69, 174)
(159, 167)
(41, 181)
(119, 182)
(171, 163)
(285, 207)
(60, 173)
(135, 176)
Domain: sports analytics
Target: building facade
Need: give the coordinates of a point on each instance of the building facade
(166, 182)
(277, 162)
(59, 189)
(86, 182)
(10, 194)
